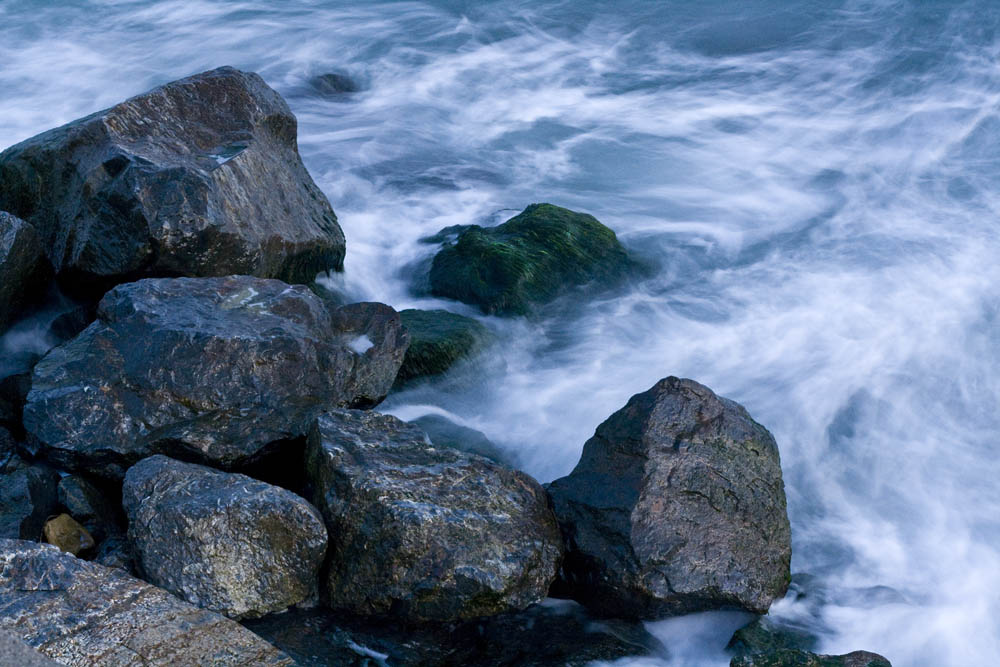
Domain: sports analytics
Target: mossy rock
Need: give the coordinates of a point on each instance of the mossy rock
(528, 260)
(797, 658)
(764, 634)
(438, 339)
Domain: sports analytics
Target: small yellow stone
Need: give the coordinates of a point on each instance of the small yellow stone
(64, 532)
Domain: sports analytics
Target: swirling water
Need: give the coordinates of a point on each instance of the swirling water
(816, 181)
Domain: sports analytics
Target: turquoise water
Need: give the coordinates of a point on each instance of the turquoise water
(816, 181)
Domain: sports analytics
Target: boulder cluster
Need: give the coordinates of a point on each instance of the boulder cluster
(197, 456)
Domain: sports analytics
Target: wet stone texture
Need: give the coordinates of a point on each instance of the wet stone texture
(24, 270)
(81, 613)
(199, 177)
(677, 505)
(222, 541)
(425, 533)
(218, 370)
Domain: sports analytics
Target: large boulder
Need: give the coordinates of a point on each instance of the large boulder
(425, 533)
(438, 339)
(199, 177)
(528, 260)
(222, 541)
(218, 369)
(81, 613)
(797, 658)
(24, 270)
(677, 505)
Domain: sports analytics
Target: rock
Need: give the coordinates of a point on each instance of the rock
(551, 633)
(28, 497)
(65, 533)
(334, 85)
(222, 370)
(222, 541)
(13, 651)
(24, 271)
(199, 177)
(425, 533)
(13, 394)
(677, 505)
(528, 260)
(796, 658)
(81, 613)
(438, 339)
(90, 505)
(765, 634)
(445, 433)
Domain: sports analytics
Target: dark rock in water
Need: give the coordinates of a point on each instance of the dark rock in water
(210, 369)
(445, 433)
(796, 658)
(765, 634)
(528, 260)
(449, 234)
(438, 339)
(425, 533)
(677, 505)
(200, 177)
(67, 534)
(542, 635)
(28, 496)
(334, 85)
(24, 270)
(81, 613)
(222, 541)
(13, 652)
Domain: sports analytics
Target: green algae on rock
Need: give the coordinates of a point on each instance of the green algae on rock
(528, 260)
(438, 339)
(796, 658)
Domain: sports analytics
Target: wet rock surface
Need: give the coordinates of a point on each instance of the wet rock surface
(24, 270)
(425, 533)
(222, 541)
(438, 339)
(677, 505)
(551, 633)
(445, 433)
(798, 658)
(81, 613)
(528, 260)
(211, 369)
(199, 177)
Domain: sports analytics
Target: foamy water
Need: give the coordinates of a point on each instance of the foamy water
(816, 182)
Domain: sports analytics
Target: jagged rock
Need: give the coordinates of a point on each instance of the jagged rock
(222, 541)
(551, 633)
(65, 533)
(445, 433)
(528, 260)
(425, 533)
(797, 658)
(24, 270)
(28, 496)
(224, 370)
(438, 339)
(199, 177)
(677, 505)
(81, 613)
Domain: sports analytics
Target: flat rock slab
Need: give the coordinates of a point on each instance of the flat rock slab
(677, 505)
(24, 270)
(215, 369)
(199, 177)
(81, 613)
(222, 541)
(421, 532)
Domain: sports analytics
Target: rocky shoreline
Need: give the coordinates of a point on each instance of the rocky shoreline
(199, 445)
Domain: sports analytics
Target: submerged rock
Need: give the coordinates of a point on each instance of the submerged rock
(28, 496)
(677, 505)
(81, 613)
(797, 658)
(528, 260)
(199, 177)
(219, 369)
(764, 634)
(24, 270)
(334, 85)
(550, 633)
(222, 541)
(425, 533)
(438, 339)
